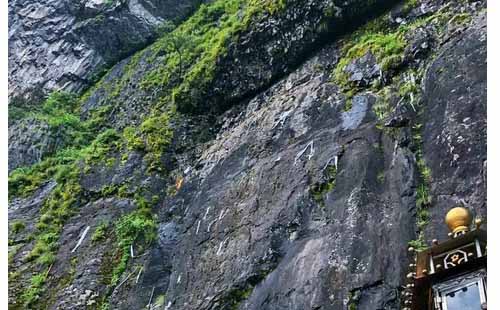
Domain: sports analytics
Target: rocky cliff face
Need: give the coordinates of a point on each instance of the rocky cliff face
(65, 45)
(262, 155)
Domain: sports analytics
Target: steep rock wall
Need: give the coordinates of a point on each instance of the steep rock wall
(65, 45)
(304, 195)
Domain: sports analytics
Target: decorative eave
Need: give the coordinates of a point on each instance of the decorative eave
(465, 251)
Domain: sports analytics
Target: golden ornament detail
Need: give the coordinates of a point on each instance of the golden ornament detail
(458, 220)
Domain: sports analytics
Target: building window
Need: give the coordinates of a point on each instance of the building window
(465, 292)
(467, 297)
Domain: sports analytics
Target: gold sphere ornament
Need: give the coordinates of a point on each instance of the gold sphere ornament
(458, 220)
(478, 222)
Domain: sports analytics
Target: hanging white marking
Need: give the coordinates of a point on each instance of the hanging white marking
(198, 228)
(81, 239)
(311, 152)
(206, 213)
(219, 251)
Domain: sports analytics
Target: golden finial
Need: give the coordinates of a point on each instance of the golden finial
(478, 222)
(458, 220)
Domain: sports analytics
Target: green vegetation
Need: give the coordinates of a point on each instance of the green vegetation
(236, 296)
(33, 293)
(386, 46)
(409, 5)
(138, 229)
(59, 113)
(133, 140)
(382, 106)
(159, 302)
(423, 217)
(104, 306)
(190, 51)
(319, 189)
(418, 244)
(17, 227)
(352, 300)
(381, 177)
(100, 232)
(158, 136)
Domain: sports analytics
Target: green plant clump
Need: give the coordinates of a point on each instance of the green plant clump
(100, 232)
(31, 295)
(158, 136)
(418, 244)
(17, 226)
(318, 190)
(387, 49)
(190, 51)
(138, 229)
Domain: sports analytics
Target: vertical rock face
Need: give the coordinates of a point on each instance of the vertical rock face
(455, 129)
(256, 222)
(64, 45)
(325, 155)
(30, 140)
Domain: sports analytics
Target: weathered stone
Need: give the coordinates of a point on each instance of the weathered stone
(364, 70)
(289, 201)
(454, 131)
(64, 44)
(29, 141)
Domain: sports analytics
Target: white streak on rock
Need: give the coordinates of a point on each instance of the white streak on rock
(81, 239)
(219, 251)
(210, 225)
(206, 213)
(198, 227)
(311, 152)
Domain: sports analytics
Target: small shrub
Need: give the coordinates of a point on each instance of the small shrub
(100, 232)
(46, 259)
(418, 244)
(386, 47)
(318, 190)
(17, 226)
(137, 228)
(158, 135)
(425, 171)
(33, 293)
(132, 139)
(423, 197)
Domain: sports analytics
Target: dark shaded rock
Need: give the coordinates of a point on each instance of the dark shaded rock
(82, 274)
(250, 226)
(29, 140)
(401, 117)
(289, 201)
(272, 46)
(455, 125)
(362, 71)
(419, 44)
(61, 44)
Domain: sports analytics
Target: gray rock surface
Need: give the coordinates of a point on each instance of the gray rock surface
(272, 46)
(285, 199)
(29, 140)
(65, 44)
(455, 135)
(363, 70)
